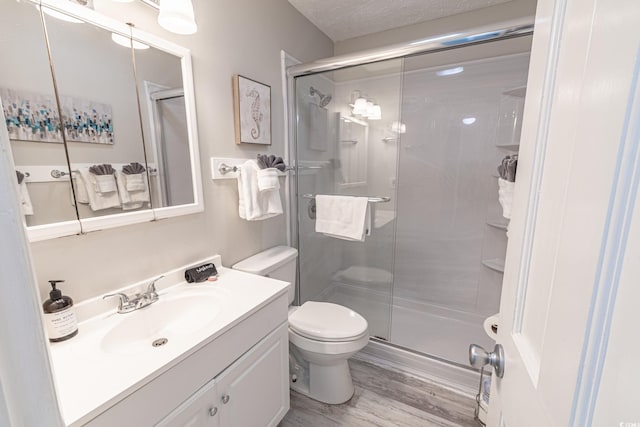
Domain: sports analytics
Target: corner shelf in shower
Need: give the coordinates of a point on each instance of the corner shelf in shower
(495, 264)
(499, 225)
(509, 147)
(519, 92)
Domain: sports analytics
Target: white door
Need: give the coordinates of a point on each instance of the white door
(573, 201)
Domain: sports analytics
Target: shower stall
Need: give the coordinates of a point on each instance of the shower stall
(420, 130)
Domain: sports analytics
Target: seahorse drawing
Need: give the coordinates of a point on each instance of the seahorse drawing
(256, 115)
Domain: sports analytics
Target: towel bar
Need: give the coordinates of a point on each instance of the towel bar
(224, 168)
(383, 199)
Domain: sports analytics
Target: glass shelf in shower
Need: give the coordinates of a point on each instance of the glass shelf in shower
(520, 91)
(495, 264)
(499, 225)
(509, 147)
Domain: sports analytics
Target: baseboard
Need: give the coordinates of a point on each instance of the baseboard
(461, 380)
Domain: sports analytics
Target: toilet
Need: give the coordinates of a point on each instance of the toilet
(322, 335)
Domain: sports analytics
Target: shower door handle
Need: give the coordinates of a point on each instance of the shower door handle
(479, 357)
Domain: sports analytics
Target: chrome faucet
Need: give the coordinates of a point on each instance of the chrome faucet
(128, 304)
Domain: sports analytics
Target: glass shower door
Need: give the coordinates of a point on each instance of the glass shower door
(347, 144)
(461, 120)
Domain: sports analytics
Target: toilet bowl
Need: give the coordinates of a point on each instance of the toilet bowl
(322, 335)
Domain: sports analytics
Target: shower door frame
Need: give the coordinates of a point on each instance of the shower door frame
(506, 30)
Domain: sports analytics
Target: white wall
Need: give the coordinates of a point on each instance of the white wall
(233, 37)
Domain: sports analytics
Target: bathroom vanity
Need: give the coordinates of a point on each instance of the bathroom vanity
(224, 361)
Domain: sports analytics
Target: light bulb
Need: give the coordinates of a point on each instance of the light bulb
(376, 112)
(360, 106)
(398, 127)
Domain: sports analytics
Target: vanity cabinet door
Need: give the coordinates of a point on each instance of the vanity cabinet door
(254, 391)
(199, 410)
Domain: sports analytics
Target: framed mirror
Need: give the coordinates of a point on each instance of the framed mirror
(128, 114)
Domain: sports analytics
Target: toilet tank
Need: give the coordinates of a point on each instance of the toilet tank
(278, 262)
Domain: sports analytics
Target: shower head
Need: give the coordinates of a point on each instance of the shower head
(324, 99)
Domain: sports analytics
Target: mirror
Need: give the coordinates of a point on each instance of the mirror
(146, 132)
(32, 120)
(164, 120)
(97, 91)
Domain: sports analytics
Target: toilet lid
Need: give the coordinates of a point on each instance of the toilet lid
(326, 321)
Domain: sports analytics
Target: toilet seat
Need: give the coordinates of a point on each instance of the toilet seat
(324, 321)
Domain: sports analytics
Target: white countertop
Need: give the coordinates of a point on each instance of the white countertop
(89, 380)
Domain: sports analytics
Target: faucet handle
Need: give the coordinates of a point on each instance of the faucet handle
(151, 289)
(124, 299)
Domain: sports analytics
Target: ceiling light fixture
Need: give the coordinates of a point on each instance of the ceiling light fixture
(375, 113)
(177, 16)
(398, 127)
(360, 106)
(59, 15)
(126, 42)
(469, 120)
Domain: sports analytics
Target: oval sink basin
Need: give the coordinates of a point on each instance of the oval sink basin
(175, 316)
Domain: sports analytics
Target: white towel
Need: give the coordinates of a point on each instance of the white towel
(254, 205)
(343, 217)
(136, 181)
(25, 200)
(80, 189)
(268, 179)
(99, 200)
(132, 199)
(505, 196)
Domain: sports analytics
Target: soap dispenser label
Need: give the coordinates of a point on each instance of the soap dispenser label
(61, 323)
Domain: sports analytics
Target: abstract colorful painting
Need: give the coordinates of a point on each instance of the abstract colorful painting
(87, 121)
(34, 117)
(31, 117)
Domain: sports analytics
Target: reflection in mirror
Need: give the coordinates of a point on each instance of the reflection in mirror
(31, 117)
(164, 120)
(96, 84)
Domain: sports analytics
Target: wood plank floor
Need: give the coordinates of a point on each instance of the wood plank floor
(384, 398)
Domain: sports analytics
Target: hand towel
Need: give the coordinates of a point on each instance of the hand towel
(266, 162)
(132, 199)
(317, 128)
(135, 182)
(268, 180)
(104, 184)
(254, 205)
(80, 189)
(505, 196)
(99, 200)
(343, 217)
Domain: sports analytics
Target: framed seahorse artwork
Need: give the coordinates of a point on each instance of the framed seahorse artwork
(252, 111)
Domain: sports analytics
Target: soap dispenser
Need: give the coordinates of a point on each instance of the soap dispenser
(59, 315)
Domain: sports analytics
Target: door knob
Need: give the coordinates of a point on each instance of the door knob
(225, 399)
(213, 411)
(479, 357)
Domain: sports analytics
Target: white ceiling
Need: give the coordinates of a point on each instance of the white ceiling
(344, 19)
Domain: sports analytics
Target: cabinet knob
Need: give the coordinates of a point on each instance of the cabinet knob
(213, 411)
(225, 399)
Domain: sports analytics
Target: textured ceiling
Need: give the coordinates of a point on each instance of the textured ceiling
(344, 19)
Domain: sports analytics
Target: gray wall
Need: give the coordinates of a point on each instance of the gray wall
(234, 36)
